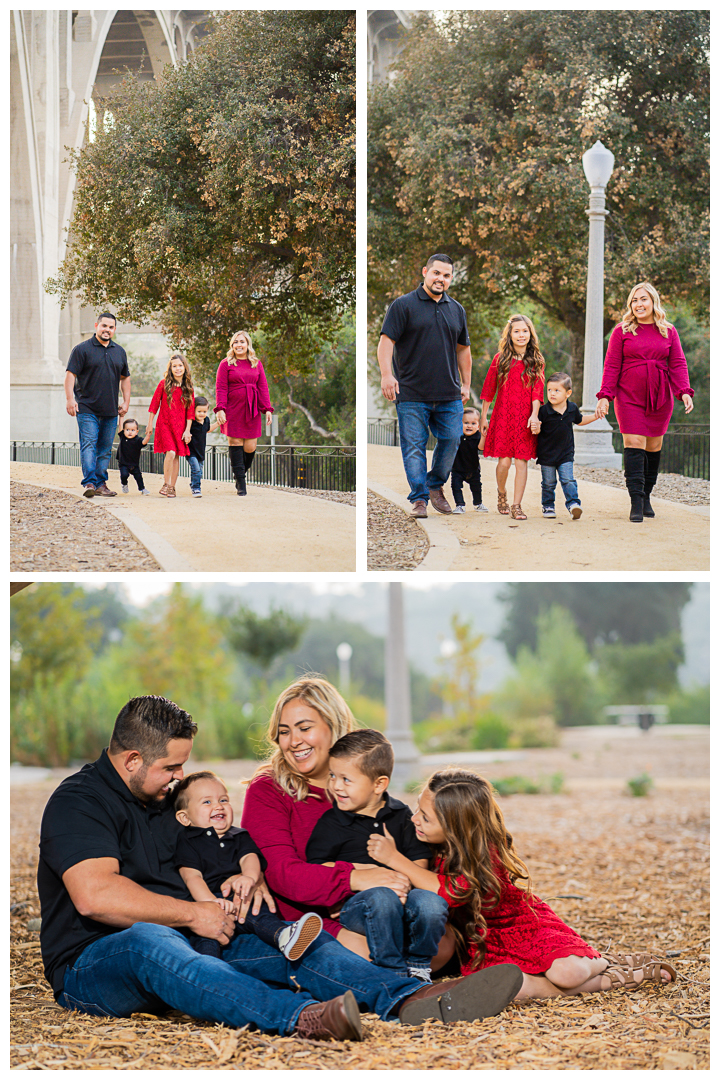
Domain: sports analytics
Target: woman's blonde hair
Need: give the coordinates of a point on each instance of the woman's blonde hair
(630, 323)
(475, 836)
(254, 360)
(320, 695)
(186, 382)
(533, 361)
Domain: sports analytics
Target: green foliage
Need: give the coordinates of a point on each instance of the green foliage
(521, 785)
(52, 633)
(479, 138)
(640, 785)
(689, 706)
(222, 196)
(634, 674)
(557, 678)
(603, 612)
(459, 683)
(491, 732)
(263, 638)
(533, 732)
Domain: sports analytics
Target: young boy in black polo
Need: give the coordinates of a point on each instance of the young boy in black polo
(466, 466)
(198, 435)
(404, 938)
(210, 850)
(128, 454)
(556, 444)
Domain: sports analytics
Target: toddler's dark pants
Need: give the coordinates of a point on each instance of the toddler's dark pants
(456, 483)
(131, 470)
(264, 925)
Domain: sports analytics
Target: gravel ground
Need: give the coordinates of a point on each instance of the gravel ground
(672, 486)
(347, 497)
(51, 531)
(395, 541)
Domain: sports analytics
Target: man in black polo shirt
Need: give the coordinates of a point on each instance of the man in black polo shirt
(96, 369)
(115, 911)
(425, 362)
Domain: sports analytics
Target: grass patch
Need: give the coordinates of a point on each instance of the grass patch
(521, 785)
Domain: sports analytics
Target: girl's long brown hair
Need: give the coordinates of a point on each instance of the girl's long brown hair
(186, 383)
(475, 831)
(533, 361)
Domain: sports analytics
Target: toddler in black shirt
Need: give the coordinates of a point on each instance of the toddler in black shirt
(210, 850)
(466, 466)
(404, 938)
(556, 444)
(128, 454)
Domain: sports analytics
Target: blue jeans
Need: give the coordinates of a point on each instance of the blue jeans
(415, 420)
(96, 439)
(196, 471)
(550, 476)
(398, 935)
(150, 968)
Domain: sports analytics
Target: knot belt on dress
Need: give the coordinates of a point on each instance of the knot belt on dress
(252, 394)
(657, 382)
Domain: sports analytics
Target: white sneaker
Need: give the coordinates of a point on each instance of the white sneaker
(459, 510)
(423, 973)
(575, 510)
(482, 508)
(548, 512)
(294, 939)
(196, 494)
(124, 489)
(144, 491)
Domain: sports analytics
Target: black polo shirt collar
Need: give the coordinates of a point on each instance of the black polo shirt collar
(390, 805)
(422, 295)
(112, 778)
(194, 831)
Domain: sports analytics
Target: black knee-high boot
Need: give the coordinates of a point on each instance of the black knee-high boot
(248, 459)
(237, 464)
(635, 480)
(652, 468)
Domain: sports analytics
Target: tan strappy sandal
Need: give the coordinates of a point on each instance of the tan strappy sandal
(164, 489)
(516, 511)
(170, 492)
(621, 970)
(503, 507)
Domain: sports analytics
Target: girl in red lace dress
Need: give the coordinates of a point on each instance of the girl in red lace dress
(516, 375)
(172, 411)
(495, 920)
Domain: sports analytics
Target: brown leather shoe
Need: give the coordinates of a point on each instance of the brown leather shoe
(104, 490)
(484, 993)
(335, 1019)
(89, 491)
(419, 509)
(437, 498)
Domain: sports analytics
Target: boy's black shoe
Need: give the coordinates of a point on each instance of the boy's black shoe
(484, 993)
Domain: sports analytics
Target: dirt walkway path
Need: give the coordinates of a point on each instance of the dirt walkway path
(678, 538)
(269, 530)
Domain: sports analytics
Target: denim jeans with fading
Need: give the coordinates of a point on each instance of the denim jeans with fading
(196, 472)
(550, 476)
(416, 419)
(398, 936)
(96, 439)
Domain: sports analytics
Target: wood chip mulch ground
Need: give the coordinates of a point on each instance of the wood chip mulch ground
(395, 541)
(347, 497)
(628, 874)
(51, 531)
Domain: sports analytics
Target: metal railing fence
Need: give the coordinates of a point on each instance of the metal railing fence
(319, 468)
(686, 448)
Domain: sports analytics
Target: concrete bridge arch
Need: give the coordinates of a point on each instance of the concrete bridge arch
(60, 63)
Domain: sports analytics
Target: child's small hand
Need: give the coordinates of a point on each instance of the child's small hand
(535, 427)
(186, 436)
(227, 906)
(382, 848)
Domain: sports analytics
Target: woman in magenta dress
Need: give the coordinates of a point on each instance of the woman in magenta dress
(495, 921)
(517, 376)
(645, 369)
(172, 411)
(287, 796)
(242, 394)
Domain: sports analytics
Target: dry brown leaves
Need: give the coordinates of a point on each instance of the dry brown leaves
(395, 541)
(626, 873)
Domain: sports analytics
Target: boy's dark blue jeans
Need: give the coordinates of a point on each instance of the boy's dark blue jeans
(399, 935)
(264, 925)
(550, 476)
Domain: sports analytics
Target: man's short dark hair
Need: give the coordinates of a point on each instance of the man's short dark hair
(147, 724)
(372, 750)
(200, 401)
(180, 794)
(561, 377)
(106, 315)
(439, 258)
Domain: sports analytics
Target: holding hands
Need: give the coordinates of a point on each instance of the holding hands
(601, 410)
(247, 890)
(220, 416)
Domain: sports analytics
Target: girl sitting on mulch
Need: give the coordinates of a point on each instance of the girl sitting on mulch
(174, 404)
(476, 868)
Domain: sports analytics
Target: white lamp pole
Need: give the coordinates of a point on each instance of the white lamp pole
(593, 445)
(397, 687)
(344, 652)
